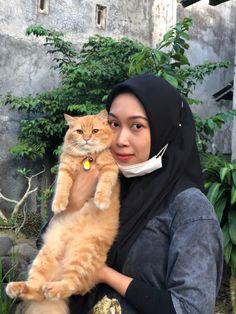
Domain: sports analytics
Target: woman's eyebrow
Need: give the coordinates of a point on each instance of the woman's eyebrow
(130, 118)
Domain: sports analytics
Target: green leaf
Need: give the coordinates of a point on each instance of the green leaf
(223, 172)
(207, 184)
(213, 192)
(185, 35)
(219, 207)
(160, 56)
(233, 195)
(233, 261)
(171, 79)
(168, 35)
(227, 252)
(182, 58)
(226, 235)
(232, 225)
(234, 177)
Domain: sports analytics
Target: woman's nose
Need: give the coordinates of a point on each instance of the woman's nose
(122, 138)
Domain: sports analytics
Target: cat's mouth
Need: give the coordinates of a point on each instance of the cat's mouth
(86, 145)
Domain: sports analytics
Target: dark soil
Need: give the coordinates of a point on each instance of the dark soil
(223, 302)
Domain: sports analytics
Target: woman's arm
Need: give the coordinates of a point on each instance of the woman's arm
(145, 298)
(114, 279)
(83, 188)
(195, 259)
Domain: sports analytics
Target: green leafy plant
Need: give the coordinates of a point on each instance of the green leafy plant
(87, 77)
(66, 53)
(206, 128)
(220, 184)
(169, 60)
(89, 74)
(5, 302)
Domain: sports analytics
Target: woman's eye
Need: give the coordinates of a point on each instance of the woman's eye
(113, 124)
(95, 131)
(79, 131)
(136, 126)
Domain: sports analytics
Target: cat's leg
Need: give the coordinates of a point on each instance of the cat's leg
(44, 268)
(63, 186)
(107, 179)
(78, 272)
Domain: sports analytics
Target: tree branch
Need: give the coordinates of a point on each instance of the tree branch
(23, 223)
(27, 193)
(3, 216)
(7, 199)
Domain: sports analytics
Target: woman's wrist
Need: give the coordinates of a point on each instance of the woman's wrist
(115, 280)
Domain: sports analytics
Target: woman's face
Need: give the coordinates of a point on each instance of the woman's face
(132, 140)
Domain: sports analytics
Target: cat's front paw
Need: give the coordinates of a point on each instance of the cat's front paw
(101, 201)
(16, 289)
(59, 205)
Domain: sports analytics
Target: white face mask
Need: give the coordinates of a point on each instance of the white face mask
(144, 167)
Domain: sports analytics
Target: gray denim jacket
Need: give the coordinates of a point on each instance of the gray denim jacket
(181, 249)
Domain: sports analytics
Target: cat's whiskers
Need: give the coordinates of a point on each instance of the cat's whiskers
(76, 149)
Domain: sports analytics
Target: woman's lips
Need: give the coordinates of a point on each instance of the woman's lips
(124, 157)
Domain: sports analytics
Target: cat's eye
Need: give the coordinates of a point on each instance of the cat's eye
(95, 131)
(79, 131)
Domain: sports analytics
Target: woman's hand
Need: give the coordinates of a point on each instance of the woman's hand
(114, 279)
(83, 188)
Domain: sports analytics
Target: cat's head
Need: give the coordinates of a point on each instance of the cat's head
(87, 134)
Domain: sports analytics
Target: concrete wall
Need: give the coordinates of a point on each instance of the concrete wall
(234, 122)
(163, 16)
(25, 67)
(213, 39)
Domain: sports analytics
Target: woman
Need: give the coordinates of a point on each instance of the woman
(168, 255)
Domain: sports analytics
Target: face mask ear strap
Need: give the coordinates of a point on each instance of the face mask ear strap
(162, 151)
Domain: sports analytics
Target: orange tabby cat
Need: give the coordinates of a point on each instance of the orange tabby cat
(76, 242)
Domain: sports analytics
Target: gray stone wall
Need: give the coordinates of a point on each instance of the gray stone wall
(234, 122)
(213, 39)
(163, 16)
(24, 66)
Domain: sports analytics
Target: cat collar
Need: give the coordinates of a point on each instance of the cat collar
(87, 162)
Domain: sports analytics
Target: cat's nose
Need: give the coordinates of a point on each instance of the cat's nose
(86, 139)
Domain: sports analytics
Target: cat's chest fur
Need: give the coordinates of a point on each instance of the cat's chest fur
(77, 163)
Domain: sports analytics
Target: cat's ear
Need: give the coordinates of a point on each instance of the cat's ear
(69, 119)
(103, 115)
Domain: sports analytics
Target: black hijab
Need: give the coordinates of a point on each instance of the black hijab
(170, 120)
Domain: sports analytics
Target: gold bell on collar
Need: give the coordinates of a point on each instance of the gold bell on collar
(87, 163)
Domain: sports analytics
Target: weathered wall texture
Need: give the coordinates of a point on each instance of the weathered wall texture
(234, 123)
(25, 68)
(163, 16)
(213, 39)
